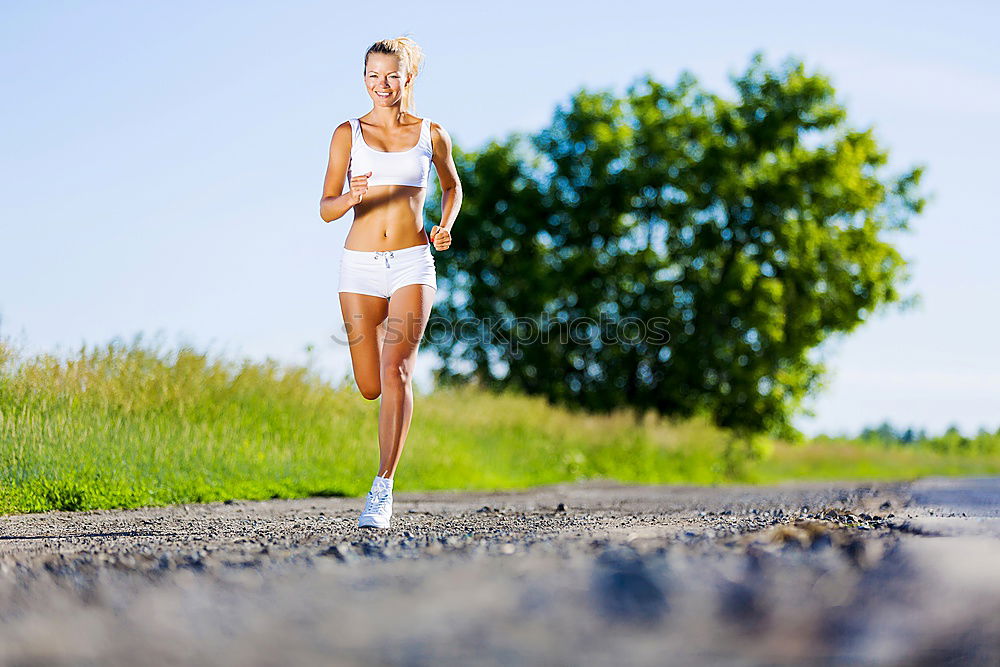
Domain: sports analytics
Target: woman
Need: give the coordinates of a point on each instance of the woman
(387, 277)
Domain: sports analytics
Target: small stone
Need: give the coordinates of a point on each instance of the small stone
(335, 552)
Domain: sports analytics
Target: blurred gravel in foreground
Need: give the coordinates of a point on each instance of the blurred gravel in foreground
(588, 574)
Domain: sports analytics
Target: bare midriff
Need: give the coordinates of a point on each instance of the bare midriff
(390, 217)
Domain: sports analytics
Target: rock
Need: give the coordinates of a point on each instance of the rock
(335, 551)
(743, 604)
(625, 590)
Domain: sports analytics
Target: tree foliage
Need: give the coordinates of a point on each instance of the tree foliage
(753, 227)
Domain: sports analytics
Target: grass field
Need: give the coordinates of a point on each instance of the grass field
(129, 425)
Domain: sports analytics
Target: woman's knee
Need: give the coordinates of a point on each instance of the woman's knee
(397, 374)
(370, 389)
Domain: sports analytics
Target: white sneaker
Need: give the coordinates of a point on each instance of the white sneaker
(378, 508)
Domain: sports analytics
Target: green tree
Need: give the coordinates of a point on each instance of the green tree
(752, 227)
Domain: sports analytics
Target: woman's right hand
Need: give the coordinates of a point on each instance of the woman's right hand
(359, 186)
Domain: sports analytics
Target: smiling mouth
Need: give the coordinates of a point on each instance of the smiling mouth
(382, 94)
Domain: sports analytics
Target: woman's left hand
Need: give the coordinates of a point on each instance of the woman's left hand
(441, 237)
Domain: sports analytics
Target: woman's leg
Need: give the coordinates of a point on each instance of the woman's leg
(364, 317)
(409, 310)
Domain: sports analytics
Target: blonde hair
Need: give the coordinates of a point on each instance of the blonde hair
(411, 58)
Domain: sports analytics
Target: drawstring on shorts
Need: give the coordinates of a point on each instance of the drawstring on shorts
(386, 254)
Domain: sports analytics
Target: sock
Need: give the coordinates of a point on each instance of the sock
(382, 483)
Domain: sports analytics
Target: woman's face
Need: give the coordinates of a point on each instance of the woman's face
(384, 80)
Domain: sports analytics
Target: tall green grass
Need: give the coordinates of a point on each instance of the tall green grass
(131, 424)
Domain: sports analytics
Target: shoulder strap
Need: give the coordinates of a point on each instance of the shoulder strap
(430, 141)
(425, 131)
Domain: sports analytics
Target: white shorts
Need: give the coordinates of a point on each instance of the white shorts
(382, 272)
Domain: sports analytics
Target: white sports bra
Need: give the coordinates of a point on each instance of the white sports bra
(409, 167)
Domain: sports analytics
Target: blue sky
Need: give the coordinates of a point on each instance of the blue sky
(161, 163)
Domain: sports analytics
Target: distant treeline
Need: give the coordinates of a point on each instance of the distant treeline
(950, 442)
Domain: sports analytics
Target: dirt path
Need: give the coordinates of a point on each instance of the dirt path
(831, 573)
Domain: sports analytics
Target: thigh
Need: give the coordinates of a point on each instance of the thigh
(409, 310)
(363, 315)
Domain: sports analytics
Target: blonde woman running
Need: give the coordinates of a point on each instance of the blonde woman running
(387, 273)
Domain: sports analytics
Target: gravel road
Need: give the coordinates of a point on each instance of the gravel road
(904, 573)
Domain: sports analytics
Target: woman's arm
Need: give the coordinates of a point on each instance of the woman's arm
(451, 187)
(333, 204)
